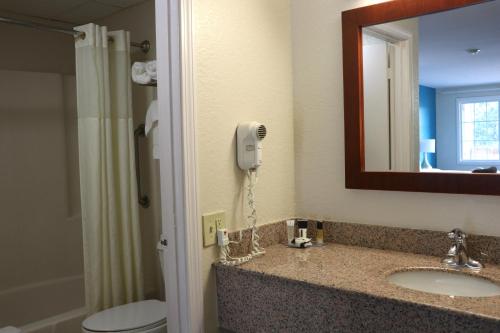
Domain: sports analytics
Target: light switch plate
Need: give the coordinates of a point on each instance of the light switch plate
(212, 222)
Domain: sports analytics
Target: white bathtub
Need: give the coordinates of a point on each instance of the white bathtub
(53, 306)
(68, 322)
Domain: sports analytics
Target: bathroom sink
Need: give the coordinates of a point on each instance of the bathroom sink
(445, 283)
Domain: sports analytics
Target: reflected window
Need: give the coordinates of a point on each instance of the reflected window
(478, 133)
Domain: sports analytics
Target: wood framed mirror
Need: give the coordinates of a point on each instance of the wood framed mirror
(393, 52)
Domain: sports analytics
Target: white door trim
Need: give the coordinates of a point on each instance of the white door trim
(405, 137)
(178, 167)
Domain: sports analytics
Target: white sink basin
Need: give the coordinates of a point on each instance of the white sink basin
(445, 283)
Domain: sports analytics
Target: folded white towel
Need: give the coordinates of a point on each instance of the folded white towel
(151, 69)
(151, 127)
(139, 73)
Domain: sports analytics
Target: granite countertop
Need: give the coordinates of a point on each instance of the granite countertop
(364, 270)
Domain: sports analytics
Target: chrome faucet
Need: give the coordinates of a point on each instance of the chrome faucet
(457, 256)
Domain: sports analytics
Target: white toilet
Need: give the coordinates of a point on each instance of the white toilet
(140, 317)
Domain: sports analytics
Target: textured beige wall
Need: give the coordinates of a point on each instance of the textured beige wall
(140, 21)
(319, 137)
(242, 52)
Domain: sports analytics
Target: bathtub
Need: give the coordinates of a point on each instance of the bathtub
(53, 306)
(68, 322)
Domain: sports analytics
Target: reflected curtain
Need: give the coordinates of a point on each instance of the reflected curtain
(110, 216)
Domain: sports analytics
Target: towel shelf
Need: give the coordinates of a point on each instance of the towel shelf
(152, 84)
(139, 132)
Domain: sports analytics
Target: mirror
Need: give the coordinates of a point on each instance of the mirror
(395, 114)
(431, 92)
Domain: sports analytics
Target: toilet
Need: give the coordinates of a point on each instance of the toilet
(10, 329)
(139, 317)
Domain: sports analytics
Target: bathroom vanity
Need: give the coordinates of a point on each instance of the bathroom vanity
(340, 288)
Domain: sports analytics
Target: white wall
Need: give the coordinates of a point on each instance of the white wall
(319, 137)
(243, 72)
(447, 123)
(32, 50)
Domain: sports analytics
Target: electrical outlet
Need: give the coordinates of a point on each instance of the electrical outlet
(212, 222)
(220, 220)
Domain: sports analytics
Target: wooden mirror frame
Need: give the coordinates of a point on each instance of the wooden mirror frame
(356, 177)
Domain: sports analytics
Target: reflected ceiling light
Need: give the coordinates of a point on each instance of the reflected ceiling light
(473, 51)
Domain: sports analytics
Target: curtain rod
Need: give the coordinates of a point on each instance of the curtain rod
(145, 45)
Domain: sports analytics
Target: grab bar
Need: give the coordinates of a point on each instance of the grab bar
(139, 132)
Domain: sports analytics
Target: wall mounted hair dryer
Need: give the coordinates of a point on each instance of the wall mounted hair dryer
(249, 144)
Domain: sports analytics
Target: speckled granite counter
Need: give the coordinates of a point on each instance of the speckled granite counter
(339, 288)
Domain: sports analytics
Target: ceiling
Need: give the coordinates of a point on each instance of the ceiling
(74, 11)
(444, 39)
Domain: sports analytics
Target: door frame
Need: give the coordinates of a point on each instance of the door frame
(404, 110)
(178, 167)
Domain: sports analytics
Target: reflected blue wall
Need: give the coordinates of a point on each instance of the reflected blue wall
(427, 100)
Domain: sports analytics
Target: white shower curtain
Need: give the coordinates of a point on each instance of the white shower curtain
(110, 217)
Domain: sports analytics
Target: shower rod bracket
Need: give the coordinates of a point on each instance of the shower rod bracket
(145, 45)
